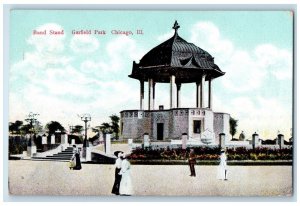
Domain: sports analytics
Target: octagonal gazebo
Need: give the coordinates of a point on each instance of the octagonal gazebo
(176, 62)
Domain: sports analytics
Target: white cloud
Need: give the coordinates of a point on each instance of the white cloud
(277, 61)
(122, 47)
(258, 114)
(245, 70)
(165, 37)
(48, 43)
(46, 83)
(84, 44)
(242, 73)
(43, 59)
(93, 67)
(47, 52)
(120, 51)
(116, 94)
(207, 36)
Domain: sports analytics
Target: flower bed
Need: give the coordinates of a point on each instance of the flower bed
(210, 154)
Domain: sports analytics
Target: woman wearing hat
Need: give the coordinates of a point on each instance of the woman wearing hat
(75, 160)
(118, 177)
(125, 185)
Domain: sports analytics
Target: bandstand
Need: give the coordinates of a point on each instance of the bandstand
(175, 62)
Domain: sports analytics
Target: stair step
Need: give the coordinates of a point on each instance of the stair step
(43, 159)
(49, 158)
(70, 153)
(61, 155)
(64, 156)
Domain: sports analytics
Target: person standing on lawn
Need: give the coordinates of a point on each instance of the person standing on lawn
(192, 162)
(76, 164)
(222, 168)
(126, 184)
(118, 177)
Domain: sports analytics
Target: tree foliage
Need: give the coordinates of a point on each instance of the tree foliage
(54, 126)
(112, 127)
(106, 128)
(242, 136)
(15, 127)
(18, 127)
(17, 145)
(37, 127)
(233, 123)
(77, 129)
(26, 129)
(115, 125)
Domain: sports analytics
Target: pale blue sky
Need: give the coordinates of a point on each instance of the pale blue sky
(247, 28)
(254, 48)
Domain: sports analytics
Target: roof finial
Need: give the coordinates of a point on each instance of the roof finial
(176, 26)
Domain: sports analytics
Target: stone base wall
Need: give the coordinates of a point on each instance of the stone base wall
(221, 125)
(206, 118)
(134, 123)
(178, 124)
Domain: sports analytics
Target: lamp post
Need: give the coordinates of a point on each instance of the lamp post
(31, 150)
(85, 118)
(31, 119)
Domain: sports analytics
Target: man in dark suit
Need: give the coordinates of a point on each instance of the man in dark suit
(192, 162)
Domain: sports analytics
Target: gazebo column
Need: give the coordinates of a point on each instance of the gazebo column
(142, 94)
(172, 92)
(150, 94)
(202, 91)
(178, 95)
(209, 94)
(198, 94)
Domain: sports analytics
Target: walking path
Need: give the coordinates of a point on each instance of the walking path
(54, 178)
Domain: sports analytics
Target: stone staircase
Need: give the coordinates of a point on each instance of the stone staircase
(63, 156)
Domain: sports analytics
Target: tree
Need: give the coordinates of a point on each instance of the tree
(242, 136)
(25, 129)
(77, 129)
(96, 129)
(105, 128)
(233, 123)
(15, 127)
(115, 125)
(54, 126)
(112, 127)
(38, 127)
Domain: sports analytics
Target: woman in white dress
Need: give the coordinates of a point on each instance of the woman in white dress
(125, 185)
(222, 168)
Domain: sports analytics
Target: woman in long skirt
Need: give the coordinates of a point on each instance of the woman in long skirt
(78, 163)
(125, 185)
(118, 177)
(222, 168)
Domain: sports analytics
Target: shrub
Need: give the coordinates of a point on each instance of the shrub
(207, 153)
(253, 156)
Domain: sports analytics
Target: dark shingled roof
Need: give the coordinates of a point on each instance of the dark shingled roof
(179, 57)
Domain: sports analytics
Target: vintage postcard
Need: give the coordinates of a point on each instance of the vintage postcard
(151, 103)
